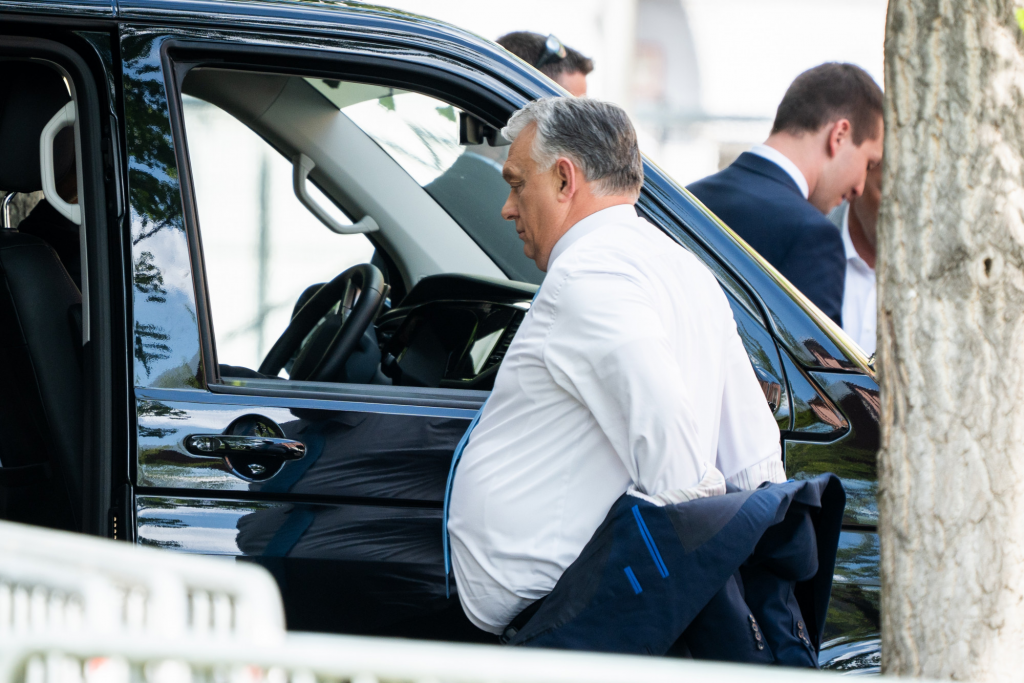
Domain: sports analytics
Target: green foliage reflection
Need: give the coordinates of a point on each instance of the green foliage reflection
(152, 172)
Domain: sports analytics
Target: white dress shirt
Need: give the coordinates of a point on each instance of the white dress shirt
(860, 296)
(781, 160)
(627, 372)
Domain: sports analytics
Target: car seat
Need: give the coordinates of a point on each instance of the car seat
(40, 336)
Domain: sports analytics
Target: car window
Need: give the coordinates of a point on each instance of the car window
(262, 248)
(421, 133)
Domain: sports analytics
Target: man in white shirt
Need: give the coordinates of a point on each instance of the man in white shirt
(858, 222)
(626, 374)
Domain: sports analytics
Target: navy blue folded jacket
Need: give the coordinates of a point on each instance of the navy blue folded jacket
(743, 577)
(763, 205)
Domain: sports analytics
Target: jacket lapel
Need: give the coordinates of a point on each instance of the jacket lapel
(768, 169)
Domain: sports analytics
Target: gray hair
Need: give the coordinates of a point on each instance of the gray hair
(596, 136)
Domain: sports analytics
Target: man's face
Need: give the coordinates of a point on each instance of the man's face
(866, 205)
(532, 199)
(844, 173)
(574, 81)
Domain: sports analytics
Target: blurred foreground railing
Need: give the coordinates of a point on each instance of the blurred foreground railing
(307, 658)
(75, 609)
(54, 583)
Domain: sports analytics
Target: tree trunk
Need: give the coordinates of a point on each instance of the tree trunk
(951, 342)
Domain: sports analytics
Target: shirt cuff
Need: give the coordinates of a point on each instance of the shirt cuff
(769, 469)
(711, 484)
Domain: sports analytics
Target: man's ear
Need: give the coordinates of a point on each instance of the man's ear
(567, 177)
(839, 134)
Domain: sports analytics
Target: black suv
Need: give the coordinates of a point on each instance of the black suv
(281, 374)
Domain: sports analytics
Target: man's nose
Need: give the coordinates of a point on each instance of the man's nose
(508, 210)
(857, 190)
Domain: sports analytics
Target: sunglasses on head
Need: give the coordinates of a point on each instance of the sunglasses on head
(554, 51)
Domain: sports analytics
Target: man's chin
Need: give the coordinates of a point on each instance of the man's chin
(825, 206)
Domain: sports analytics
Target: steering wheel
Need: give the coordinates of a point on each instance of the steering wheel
(337, 316)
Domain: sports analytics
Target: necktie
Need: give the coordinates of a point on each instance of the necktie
(446, 542)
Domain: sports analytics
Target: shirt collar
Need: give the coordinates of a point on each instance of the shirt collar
(613, 214)
(851, 251)
(782, 161)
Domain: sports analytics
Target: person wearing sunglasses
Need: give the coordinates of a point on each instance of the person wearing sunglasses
(557, 61)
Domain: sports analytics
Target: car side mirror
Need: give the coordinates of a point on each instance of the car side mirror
(473, 131)
(301, 166)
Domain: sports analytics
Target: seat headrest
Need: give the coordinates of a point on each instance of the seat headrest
(30, 94)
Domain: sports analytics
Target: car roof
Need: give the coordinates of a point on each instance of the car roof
(297, 14)
(338, 17)
(120, 8)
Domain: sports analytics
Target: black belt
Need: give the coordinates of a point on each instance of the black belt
(520, 621)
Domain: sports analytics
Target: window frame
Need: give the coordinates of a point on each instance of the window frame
(179, 56)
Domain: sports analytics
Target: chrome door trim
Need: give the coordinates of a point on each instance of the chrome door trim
(200, 396)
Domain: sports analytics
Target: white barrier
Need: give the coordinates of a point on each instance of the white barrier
(306, 658)
(55, 582)
(75, 609)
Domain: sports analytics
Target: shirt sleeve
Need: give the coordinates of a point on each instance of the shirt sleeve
(608, 348)
(747, 433)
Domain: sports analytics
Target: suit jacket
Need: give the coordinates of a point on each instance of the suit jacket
(743, 577)
(762, 204)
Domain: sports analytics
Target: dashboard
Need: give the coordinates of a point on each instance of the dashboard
(452, 331)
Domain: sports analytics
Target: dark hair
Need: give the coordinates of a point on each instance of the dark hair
(528, 46)
(827, 93)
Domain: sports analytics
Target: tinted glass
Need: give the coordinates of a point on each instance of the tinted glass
(421, 134)
(261, 246)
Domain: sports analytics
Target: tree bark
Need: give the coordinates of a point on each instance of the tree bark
(951, 341)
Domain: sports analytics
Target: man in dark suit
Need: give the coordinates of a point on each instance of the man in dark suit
(826, 136)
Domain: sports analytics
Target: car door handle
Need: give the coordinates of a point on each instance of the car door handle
(228, 445)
